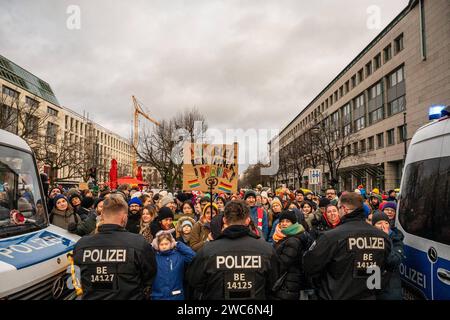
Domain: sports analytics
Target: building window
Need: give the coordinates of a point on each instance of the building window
(376, 115)
(336, 96)
(353, 81)
(347, 129)
(346, 111)
(369, 69)
(390, 137)
(355, 148)
(10, 92)
(349, 150)
(398, 44)
(360, 76)
(54, 112)
(31, 102)
(387, 53)
(375, 91)
(396, 77)
(31, 125)
(380, 140)
(341, 91)
(377, 61)
(396, 106)
(371, 142)
(347, 87)
(362, 145)
(401, 133)
(360, 123)
(359, 101)
(51, 132)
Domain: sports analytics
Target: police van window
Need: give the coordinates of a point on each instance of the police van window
(424, 208)
(19, 193)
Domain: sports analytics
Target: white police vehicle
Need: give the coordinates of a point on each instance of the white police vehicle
(33, 253)
(424, 211)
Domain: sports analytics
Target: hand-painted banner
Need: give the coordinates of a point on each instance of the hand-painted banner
(203, 161)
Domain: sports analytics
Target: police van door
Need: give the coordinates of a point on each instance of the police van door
(424, 218)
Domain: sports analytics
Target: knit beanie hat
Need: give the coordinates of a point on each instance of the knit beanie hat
(186, 223)
(59, 196)
(249, 193)
(165, 213)
(390, 204)
(87, 202)
(166, 200)
(73, 196)
(324, 202)
(209, 205)
(379, 216)
(289, 215)
(276, 200)
(135, 201)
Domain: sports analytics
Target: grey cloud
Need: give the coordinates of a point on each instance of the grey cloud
(244, 64)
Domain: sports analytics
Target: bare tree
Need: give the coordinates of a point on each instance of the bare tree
(162, 147)
(23, 118)
(252, 177)
(331, 139)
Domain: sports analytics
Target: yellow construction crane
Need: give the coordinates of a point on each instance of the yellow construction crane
(138, 111)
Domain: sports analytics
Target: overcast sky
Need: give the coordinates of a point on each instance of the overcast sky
(243, 64)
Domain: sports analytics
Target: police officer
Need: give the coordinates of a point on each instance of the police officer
(114, 263)
(237, 265)
(340, 258)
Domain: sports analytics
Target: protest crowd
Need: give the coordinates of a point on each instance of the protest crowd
(282, 244)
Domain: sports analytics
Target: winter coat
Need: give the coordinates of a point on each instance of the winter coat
(134, 223)
(212, 279)
(155, 226)
(128, 259)
(265, 220)
(337, 258)
(199, 235)
(83, 213)
(144, 229)
(290, 251)
(392, 289)
(62, 219)
(171, 266)
(319, 226)
(179, 229)
(84, 227)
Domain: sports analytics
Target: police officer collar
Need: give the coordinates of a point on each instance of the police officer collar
(355, 215)
(110, 227)
(237, 231)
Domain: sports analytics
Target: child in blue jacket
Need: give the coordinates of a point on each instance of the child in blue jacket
(172, 259)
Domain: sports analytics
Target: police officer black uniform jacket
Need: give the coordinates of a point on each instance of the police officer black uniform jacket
(340, 257)
(114, 264)
(238, 265)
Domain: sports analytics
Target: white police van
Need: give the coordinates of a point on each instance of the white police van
(33, 253)
(423, 213)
